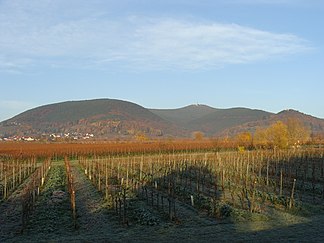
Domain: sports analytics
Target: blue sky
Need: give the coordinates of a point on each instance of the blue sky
(262, 54)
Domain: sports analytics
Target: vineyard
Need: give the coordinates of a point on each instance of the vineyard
(167, 195)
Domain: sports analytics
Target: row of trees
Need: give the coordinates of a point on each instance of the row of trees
(281, 134)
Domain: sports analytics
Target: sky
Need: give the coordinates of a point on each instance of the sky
(260, 54)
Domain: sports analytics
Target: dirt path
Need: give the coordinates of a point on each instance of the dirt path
(93, 217)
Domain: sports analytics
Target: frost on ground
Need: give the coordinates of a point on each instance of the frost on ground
(52, 220)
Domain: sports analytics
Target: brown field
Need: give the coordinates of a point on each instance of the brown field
(104, 148)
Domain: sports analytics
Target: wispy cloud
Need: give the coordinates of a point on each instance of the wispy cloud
(96, 40)
(184, 44)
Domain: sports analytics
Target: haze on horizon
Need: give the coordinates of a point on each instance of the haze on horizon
(260, 54)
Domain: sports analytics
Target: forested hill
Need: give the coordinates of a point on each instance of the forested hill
(101, 117)
(110, 118)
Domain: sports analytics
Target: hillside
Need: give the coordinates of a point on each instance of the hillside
(109, 118)
(183, 116)
(210, 121)
(102, 117)
(214, 123)
(316, 125)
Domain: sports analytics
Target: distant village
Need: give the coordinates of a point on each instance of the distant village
(50, 137)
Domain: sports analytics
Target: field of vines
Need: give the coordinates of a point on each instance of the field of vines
(215, 183)
(171, 195)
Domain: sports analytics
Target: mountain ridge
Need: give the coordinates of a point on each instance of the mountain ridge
(112, 118)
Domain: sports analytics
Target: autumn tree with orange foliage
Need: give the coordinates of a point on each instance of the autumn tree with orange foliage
(282, 134)
(244, 139)
(298, 133)
(277, 135)
(198, 135)
(260, 138)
